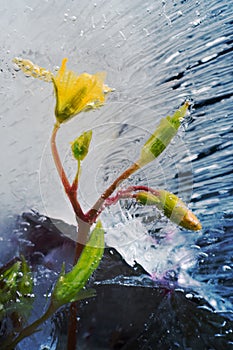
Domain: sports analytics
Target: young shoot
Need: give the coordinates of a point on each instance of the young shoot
(74, 94)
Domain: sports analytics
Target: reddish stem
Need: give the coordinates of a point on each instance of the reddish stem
(126, 194)
(57, 160)
(72, 327)
(97, 207)
(85, 220)
(143, 188)
(74, 186)
(70, 190)
(83, 232)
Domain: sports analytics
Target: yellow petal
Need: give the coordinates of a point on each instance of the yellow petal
(74, 93)
(77, 93)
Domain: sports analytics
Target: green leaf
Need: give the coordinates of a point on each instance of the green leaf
(16, 289)
(80, 145)
(69, 285)
(85, 294)
(162, 136)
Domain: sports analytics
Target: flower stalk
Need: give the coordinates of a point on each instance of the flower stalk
(71, 191)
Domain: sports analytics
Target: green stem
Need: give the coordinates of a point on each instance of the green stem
(32, 328)
(94, 211)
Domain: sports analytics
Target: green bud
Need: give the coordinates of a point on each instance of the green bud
(25, 282)
(172, 207)
(68, 286)
(80, 145)
(16, 285)
(162, 136)
(146, 198)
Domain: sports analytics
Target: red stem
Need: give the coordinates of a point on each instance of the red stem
(72, 327)
(83, 230)
(142, 188)
(84, 221)
(57, 160)
(70, 191)
(74, 186)
(97, 207)
(126, 194)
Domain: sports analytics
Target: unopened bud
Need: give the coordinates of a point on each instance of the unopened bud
(80, 145)
(162, 136)
(172, 206)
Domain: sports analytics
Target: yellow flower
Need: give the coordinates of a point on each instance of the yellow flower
(77, 93)
(74, 93)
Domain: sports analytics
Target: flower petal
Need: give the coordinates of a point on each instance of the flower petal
(77, 93)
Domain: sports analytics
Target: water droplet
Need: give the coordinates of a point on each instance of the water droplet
(104, 18)
(146, 31)
(16, 67)
(204, 255)
(93, 23)
(208, 58)
(194, 246)
(226, 268)
(122, 34)
(44, 347)
(73, 18)
(196, 22)
(189, 295)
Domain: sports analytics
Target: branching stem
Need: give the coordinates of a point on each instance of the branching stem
(97, 207)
